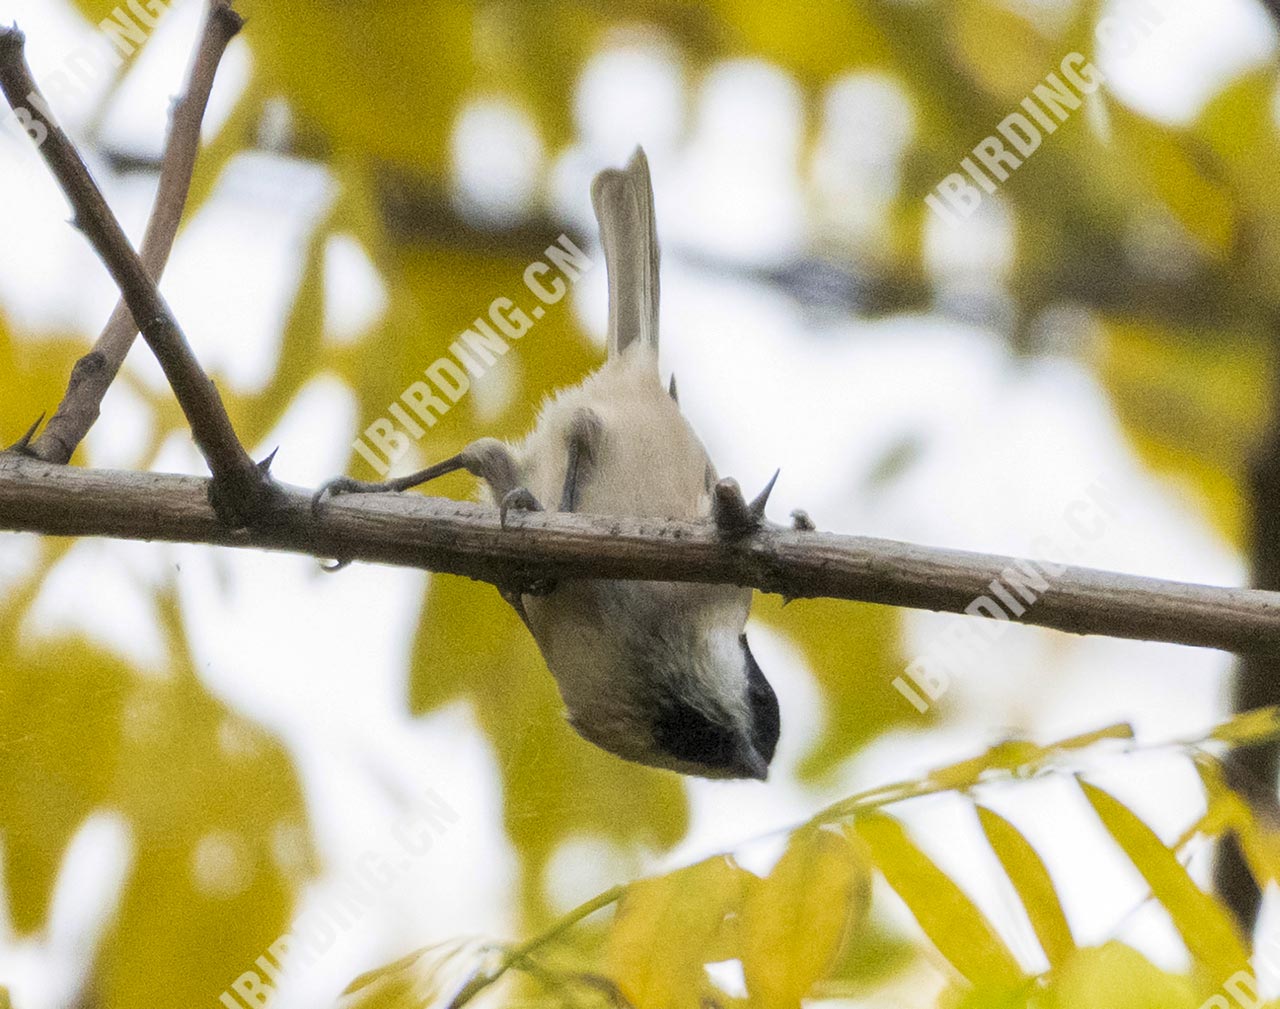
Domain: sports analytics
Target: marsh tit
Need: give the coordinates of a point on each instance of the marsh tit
(659, 673)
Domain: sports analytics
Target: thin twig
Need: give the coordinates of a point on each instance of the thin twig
(94, 373)
(519, 954)
(463, 538)
(242, 489)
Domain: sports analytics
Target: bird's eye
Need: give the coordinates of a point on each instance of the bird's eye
(766, 720)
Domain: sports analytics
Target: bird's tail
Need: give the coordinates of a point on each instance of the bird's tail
(623, 201)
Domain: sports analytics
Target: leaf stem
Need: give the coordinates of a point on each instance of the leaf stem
(523, 951)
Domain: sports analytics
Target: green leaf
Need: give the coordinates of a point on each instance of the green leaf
(1035, 887)
(1205, 925)
(793, 921)
(948, 917)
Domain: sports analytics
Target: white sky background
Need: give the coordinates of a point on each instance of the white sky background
(765, 380)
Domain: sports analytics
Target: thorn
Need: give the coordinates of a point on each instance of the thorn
(671, 389)
(335, 567)
(76, 223)
(264, 467)
(733, 516)
(762, 499)
(24, 443)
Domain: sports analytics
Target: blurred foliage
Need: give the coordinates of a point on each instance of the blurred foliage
(374, 88)
(787, 927)
(208, 799)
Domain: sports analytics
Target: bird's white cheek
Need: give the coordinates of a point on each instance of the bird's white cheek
(725, 655)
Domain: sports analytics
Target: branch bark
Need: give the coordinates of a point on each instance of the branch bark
(462, 538)
(1257, 680)
(241, 489)
(94, 373)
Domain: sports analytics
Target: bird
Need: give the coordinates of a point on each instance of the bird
(658, 673)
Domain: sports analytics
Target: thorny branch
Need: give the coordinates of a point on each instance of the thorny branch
(462, 538)
(248, 510)
(241, 489)
(94, 373)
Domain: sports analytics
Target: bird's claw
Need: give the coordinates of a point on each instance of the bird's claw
(340, 485)
(336, 487)
(520, 499)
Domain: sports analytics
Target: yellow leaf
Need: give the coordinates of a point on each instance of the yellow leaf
(1257, 830)
(964, 996)
(1007, 756)
(211, 800)
(666, 929)
(60, 748)
(1114, 975)
(1193, 404)
(382, 78)
(1205, 926)
(793, 921)
(999, 48)
(372, 977)
(1035, 887)
(784, 34)
(948, 917)
(427, 976)
(1261, 725)
(1121, 730)
(1238, 126)
(1177, 171)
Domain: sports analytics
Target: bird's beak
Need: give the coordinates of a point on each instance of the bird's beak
(751, 765)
